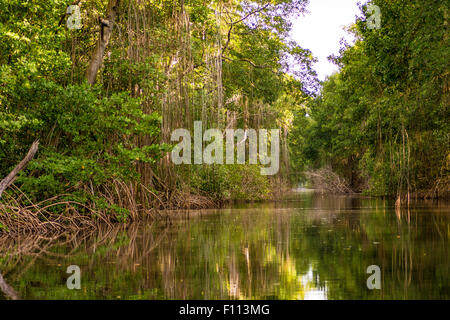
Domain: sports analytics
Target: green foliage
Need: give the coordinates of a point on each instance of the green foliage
(164, 58)
(88, 134)
(380, 121)
(228, 182)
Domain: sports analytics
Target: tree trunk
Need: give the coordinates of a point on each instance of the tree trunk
(12, 175)
(106, 27)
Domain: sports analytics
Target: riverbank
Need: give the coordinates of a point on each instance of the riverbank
(56, 215)
(59, 214)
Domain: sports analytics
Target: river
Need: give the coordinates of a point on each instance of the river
(308, 246)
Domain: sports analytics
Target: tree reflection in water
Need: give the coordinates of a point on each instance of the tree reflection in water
(313, 246)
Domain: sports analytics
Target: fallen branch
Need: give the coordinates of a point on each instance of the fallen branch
(326, 179)
(7, 289)
(6, 182)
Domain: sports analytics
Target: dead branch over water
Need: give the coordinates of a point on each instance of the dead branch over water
(327, 180)
(13, 174)
(7, 290)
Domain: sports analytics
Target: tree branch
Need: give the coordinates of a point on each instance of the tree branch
(12, 175)
(264, 66)
(106, 26)
(232, 23)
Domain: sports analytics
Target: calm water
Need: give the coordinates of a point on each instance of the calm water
(308, 247)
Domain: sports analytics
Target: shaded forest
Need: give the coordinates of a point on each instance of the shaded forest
(103, 93)
(382, 122)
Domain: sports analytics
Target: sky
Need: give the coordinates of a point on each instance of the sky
(321, 29)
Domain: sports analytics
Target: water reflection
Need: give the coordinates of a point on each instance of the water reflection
(311, 246)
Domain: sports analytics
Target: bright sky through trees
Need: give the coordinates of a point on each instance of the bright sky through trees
(321, 29)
